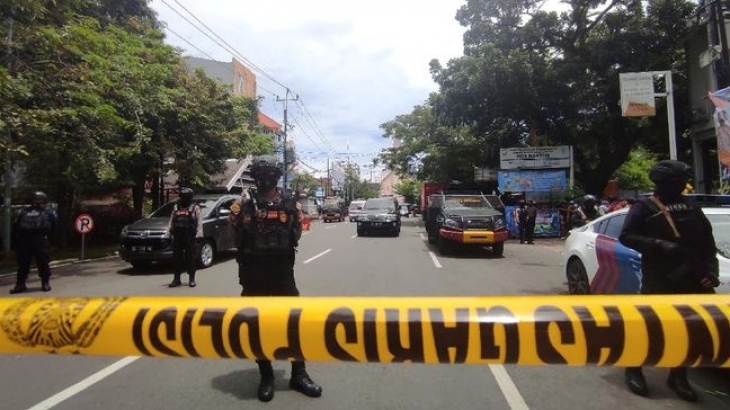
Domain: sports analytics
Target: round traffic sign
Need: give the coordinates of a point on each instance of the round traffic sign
(84, 223)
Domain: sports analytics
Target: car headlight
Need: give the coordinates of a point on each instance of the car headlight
(499, 222)
(166, 235)
(451, 224)
(390, 218)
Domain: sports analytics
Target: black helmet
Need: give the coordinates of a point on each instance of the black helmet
(38, 197)
(670, 170)
(186, 193)
(590, 200)
(266, 167)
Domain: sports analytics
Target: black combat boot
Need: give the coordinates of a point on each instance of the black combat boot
(266, 386)
(677, 381)
(175, 281)
(19, 288)
(635, 380)
(191, 282)
(45, 285)
(301, 382)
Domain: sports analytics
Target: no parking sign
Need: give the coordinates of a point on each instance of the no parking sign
(84, 224)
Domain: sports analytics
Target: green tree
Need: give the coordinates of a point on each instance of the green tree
(634, 173)
(410, 189)
(304, 183)
(527, 72)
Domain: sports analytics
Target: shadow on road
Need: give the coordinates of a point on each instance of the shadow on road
(243, 384)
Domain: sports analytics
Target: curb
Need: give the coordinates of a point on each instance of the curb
(60, 263)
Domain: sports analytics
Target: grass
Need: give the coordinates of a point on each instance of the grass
(8, 262)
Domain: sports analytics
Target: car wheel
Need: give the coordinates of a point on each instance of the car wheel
(140, 265)
(444, 246)
(498, 249)
(206, 254)
(577, 278)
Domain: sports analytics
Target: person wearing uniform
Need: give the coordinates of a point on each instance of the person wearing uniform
(521, 219)
(586, 212)
(677, 249)
(186, 228)
(268, 228)
(33, 226)
(530, 221)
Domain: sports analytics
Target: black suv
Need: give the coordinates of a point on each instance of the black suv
(379, 215)
(147, 240)
(460, 219)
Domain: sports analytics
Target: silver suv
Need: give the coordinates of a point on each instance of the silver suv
(147, 240)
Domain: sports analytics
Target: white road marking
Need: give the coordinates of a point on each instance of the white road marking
(83, 384)
(353, 236)
(509, 390)
(317, 256)
(435, 260)
(423, 237)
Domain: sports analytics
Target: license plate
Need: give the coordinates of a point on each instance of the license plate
(141, 248)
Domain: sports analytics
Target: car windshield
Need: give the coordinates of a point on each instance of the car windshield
(465, 201)
(165, 211)
(379, 204)
(721, 232)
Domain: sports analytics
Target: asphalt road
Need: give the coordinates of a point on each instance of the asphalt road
(333, 261)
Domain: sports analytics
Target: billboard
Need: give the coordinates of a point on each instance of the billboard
(534, 157)
(532, 181)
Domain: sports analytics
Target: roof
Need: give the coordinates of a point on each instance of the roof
(269, 123)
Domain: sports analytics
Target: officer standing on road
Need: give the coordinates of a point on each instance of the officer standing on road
(678, 253)
(530, 220)
(521, 220)
(33, 226)
(268, 229)
(186, 228)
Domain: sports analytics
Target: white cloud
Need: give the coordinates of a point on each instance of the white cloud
(355, 65)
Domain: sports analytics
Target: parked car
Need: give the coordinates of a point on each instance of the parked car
(310, 207)
(355, 209)
(147, 240)
(595, 262)
(379, 215)
(332, 213)
(459, 219)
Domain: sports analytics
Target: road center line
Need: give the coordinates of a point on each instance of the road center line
(317, 256)
(509, 390)
(435, 260)
(83, 384)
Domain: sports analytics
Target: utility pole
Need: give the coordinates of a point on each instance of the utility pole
(286, 100)
(7, 200)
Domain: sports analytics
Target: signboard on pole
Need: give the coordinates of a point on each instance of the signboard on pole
(84, 224)
(534, 157)
(637, 94)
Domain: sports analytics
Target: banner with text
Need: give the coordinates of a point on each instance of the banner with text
(532, 181)
(637, 94)
(535, 157)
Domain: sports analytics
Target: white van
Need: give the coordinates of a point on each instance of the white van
(355, 209)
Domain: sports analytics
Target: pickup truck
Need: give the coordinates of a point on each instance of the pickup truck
(464, 219)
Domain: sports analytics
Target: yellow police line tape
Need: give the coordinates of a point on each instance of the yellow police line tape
(662, 331)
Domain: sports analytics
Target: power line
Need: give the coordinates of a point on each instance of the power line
(226, 46)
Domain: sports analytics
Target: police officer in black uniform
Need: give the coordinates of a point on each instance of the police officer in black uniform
(186, 227)
(268, 229)
(33, 226)
(677, 249)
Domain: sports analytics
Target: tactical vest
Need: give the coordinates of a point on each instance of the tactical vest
(271, 228)
(184, 221)
(34, 221)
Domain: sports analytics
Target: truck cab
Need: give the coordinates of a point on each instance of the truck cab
(461, 218)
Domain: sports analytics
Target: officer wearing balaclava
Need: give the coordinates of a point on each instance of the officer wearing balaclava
(677, 249)
(268, 227)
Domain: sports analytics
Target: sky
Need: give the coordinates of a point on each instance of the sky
(352, 65)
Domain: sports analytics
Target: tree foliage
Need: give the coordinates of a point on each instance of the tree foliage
(92, 99)
(410, 189)
(634, 173)
(529, 73)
